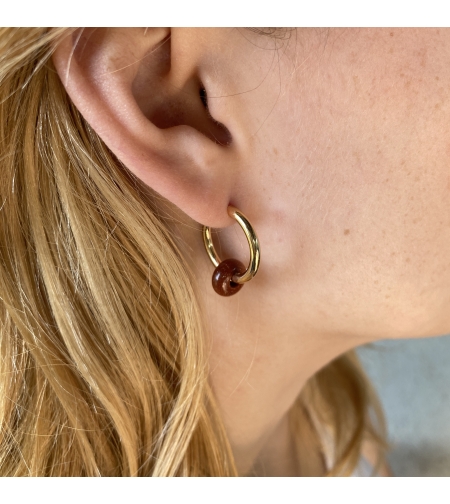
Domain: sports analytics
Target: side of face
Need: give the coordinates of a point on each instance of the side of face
(335, 145)
(345, 142)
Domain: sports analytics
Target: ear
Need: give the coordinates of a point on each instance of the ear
(142, 92)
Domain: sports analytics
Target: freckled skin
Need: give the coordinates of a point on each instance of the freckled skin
(355, 123)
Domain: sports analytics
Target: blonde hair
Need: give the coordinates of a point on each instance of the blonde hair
(103, 367)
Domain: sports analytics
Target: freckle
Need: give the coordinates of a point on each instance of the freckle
(437, 106)
(275, 151)
(407, 260)
(402, 75)
(387, 180)
(391, 34)
(407, 84)
(346, 231)
(393, 254)
(376, 282)
(391, 50)
(402, 162)
(437, 77)
(387, 296)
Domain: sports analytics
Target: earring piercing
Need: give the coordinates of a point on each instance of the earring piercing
(230, 275)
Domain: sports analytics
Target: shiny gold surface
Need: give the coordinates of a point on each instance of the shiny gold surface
(252, 240)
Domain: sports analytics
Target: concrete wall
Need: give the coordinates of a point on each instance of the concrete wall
(412, 378)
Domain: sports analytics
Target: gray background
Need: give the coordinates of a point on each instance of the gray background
(412, 378)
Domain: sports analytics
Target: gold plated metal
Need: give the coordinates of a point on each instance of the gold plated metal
(252, 240)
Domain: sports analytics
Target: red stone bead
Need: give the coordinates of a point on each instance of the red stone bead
(222, 279)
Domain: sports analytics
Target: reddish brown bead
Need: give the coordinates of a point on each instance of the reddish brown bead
(222, 277)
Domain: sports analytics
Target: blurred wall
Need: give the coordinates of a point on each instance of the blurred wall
(412, 378)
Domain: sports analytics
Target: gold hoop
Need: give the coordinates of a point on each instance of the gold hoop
(252, 240)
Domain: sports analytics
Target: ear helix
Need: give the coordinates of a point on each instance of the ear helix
(230, 275)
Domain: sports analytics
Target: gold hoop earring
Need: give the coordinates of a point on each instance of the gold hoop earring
(230, 275)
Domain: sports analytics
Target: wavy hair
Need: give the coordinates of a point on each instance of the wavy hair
(103, 368)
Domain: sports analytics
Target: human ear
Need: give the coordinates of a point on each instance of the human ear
(142, 92)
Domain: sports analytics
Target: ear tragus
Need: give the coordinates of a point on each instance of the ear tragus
(167, 103)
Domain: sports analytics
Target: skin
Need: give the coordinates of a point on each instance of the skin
(335, 145)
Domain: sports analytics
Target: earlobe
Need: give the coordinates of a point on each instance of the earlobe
(148, 106)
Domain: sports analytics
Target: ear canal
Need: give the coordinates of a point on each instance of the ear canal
(173, 103)
(219, 132)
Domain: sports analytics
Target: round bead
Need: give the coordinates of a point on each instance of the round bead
(222, 279)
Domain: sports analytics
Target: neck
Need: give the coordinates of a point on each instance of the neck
(256, 383)
(261, 356)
